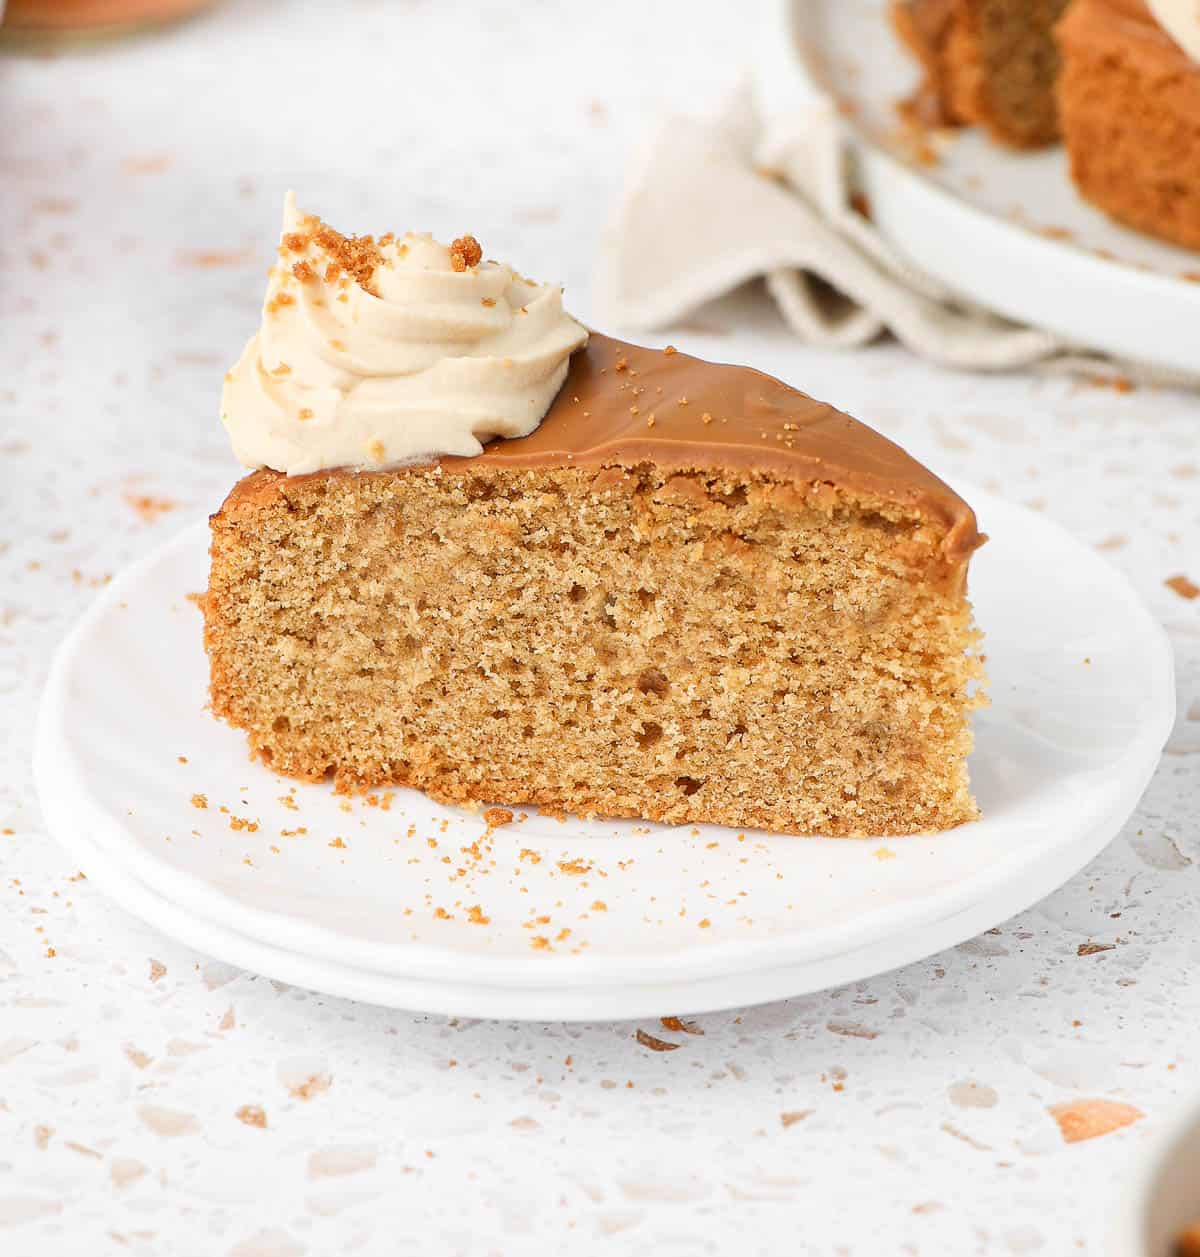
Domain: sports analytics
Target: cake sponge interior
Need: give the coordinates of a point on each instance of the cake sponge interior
(683, 644)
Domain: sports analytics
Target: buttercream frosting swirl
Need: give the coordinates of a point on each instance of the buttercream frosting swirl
(375, 353)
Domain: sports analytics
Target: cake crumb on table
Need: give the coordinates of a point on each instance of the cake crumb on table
(655, 1045)
(680, 1026)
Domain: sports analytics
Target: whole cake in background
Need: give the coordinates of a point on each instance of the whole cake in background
(1117, 80)
(495, 558)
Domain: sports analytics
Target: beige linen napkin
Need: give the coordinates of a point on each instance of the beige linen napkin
(712, 204)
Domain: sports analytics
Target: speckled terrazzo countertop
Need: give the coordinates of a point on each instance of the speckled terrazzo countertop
(155, 1102)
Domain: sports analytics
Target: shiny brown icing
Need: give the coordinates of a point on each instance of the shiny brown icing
(623, 405)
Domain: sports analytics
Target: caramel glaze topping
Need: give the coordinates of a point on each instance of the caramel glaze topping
(623, 405)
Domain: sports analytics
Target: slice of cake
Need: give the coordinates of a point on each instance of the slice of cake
(690, 593)
(1129, 98)
(990, 63)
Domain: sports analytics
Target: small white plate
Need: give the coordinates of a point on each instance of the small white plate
(1005, 229)
(376, 902)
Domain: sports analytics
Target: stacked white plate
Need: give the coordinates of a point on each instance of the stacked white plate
(404, 902)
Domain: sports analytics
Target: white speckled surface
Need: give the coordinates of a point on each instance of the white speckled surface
(909, 1114)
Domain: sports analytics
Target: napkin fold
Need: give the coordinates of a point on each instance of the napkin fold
(712, 204)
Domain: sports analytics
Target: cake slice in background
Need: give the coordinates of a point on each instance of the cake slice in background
(1129, 99)
(991, 63)
(690, 593)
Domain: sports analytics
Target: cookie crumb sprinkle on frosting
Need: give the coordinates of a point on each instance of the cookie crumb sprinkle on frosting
(465, 252)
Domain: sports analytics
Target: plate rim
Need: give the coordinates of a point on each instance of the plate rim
(571, 1002)
(56, 776)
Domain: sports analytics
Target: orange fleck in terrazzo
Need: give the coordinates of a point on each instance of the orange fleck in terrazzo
(1184, 587)
(147, 507)
(209, 259)
(1089, 1119)
(309, 1087)
(154, 165)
